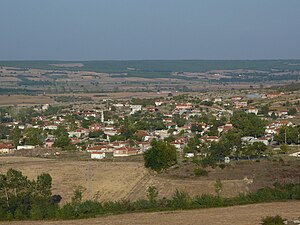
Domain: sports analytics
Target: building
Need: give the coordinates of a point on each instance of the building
(252, 110)
(125, 151)
(6, 149)
(97, 155)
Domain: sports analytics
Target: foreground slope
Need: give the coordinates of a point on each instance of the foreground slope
(236, 215)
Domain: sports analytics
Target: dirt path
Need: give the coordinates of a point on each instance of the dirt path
(236, 215)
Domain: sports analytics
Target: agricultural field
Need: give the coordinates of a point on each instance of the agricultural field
(129, 180)
(55, 77)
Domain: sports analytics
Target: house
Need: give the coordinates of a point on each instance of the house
(158, 102)
(171, 125)
(240, 104)
(50, 127)
(179, 143)
(80, 132)
(144, 145)
(95, 127)
(184, 106)
(99, 148)
(135, 108)
(141, 134)
(273, 94)
(6, 149)
(97, 155)
(210, 138)
(125, 151)
(152, 109)
(49, 142)
(252, 110)
(218, 100)
(225, 128)
(27, 147)
(236, 98)
(252, 140)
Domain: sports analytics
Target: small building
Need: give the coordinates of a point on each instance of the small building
(6, 149)
(97, 155)
(125, 151)
(252, 110)
(25, 147)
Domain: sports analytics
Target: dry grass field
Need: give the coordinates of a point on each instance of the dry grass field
(24, 100)
(112, 180)
(236, 215)
(116, 180)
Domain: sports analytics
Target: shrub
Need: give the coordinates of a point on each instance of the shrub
(273, 220)
(181, 200)
(152, 193)
(206, 201)
(200, 172)
(222, 166)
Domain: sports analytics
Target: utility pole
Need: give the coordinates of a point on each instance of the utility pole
(285, 135)
(90, 182)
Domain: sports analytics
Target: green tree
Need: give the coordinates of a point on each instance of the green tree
(160, 156)
(218, 187)
(284, 148)
(257, 149)
(248, 124)
(36, 213)
(43, 185)
(264, 110)
(62, 140)
(152, 194)
(288, 135)
(292, 111)
(33, 136)
(179, 120)
(4, 131)
(15, 135)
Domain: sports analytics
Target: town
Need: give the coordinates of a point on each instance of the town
(239, 126)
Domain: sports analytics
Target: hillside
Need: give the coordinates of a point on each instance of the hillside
(237, 215)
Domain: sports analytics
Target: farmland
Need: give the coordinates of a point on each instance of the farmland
(55, 77)
(130, 180)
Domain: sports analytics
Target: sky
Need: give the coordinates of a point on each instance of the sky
(149, 29)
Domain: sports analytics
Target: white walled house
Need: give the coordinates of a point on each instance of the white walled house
(97, 155)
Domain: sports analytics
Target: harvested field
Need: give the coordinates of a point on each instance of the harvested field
(236, 215)
(26, 100)
(107, 180)
(115, 180)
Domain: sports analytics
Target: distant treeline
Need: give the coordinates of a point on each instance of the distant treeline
(289, 87)
(133, 66)
(8, 91)
(26, 82)
(265, 78)
(72, 98)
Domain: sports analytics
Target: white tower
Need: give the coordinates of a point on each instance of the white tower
(102, 116)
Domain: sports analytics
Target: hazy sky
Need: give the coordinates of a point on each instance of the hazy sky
(149, 29)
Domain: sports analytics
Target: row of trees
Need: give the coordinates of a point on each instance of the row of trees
(21, 198)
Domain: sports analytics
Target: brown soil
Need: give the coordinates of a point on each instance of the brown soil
(236, 215)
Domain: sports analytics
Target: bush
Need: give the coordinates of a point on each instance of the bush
(200, 172)
(181, 200)
(207, 201)
(273, 220)
(222, 166)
